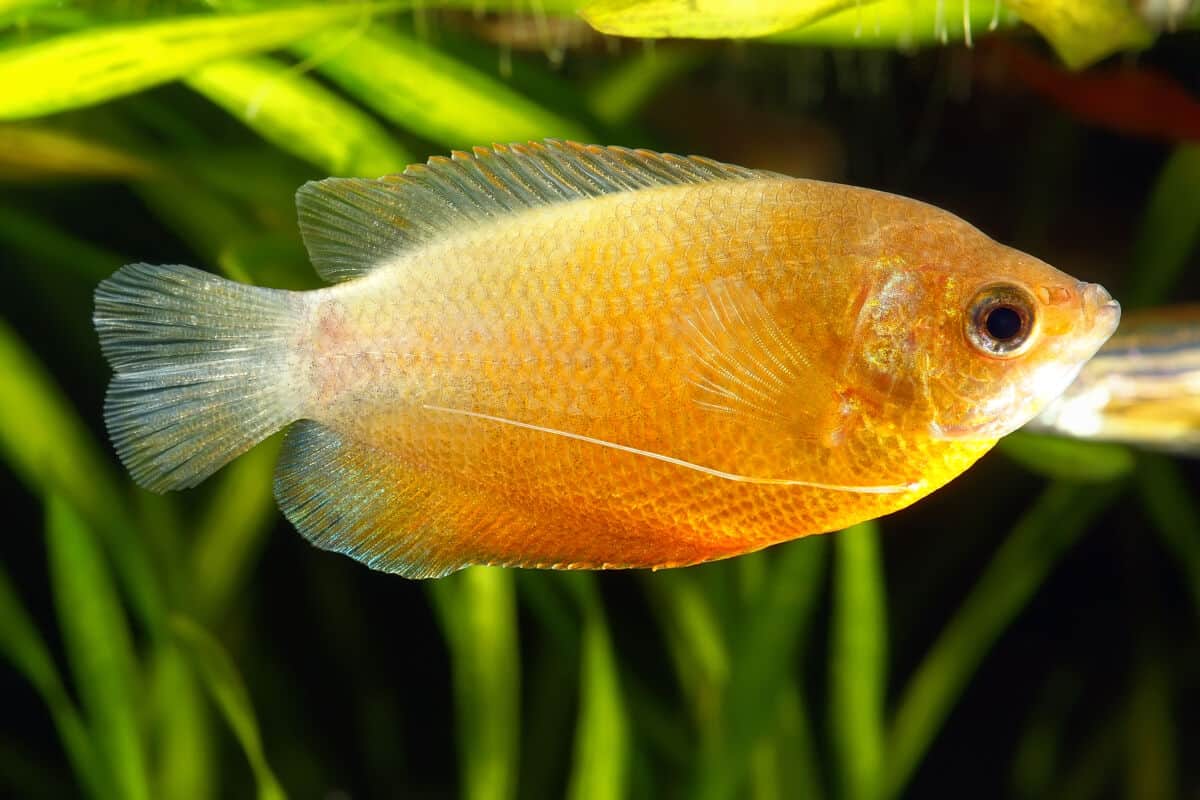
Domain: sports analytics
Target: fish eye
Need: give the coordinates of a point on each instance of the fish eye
(1001, 320)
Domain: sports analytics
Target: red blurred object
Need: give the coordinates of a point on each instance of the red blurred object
(1133, 100)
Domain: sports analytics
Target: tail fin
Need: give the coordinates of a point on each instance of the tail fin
(203, 369)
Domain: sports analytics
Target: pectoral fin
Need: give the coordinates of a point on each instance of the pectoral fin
(746, 364)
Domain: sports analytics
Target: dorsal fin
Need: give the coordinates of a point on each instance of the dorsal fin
(350, 225)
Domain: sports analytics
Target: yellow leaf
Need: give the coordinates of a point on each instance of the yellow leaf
(706, 19)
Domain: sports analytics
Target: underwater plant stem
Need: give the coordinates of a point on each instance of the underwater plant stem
(1019, 567)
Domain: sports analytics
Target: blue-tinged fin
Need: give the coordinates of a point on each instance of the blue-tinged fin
(354, 499)
(201, 369)
(352, 225)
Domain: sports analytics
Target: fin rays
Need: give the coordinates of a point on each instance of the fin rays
(745, 364)
(351, 225)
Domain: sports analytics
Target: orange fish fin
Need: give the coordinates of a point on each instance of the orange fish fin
(365, 503)
(354, 499)
(352, 225)
(746, 364)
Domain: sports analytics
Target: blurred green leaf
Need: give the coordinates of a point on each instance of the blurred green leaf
(24, 648)
(48, 448)
(276, 259)
(42, 439)
(858, 661)
(1170, 229)
(224, 684)
(300, 116)
(98, 646)
(184, 762)
(1150, 734)
(205, 219)
(44, 153)
(705, 19)
(694, 638)
(602, 750)
(763, 651)
(425, 91)
(617, 96)
(1068, 459)
(1083, 33)
(1089, 774)
(478, 611)
(796, 749)
(1033, 547)
(99, 63)
(1039, 747)
(49, 245)
(903, 23)
(1170, 502)
(229, 534)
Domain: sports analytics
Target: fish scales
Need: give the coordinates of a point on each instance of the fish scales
(684, 361)
(541, 336)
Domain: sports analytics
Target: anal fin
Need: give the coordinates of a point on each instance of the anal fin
(352, 499)
(366, 503)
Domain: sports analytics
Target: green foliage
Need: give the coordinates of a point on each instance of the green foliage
(190, 646)
(1048, 528)
(228, 692)
(97, 64)
(99, 649)
(858, 663)
(298, 115)
(1067, 459)
(432, 94)
(479, 620)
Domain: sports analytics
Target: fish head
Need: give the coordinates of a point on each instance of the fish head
(970, 338)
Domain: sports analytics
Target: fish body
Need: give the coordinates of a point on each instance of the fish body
(568, 356)
(1141, 388)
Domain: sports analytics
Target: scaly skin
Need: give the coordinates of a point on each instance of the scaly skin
(781, 332)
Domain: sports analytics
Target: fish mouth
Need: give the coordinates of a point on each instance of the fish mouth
(1102, 312)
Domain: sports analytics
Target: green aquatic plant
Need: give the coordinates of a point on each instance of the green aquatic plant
(192, 646)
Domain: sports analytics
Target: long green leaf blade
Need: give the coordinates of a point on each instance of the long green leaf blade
(1170, 503)
(858, 664)
(230, 532)
(716, 19)
(479, 617)
(1037, 541)
(1068, 459)
(299, 115)
(763, 654)
(46, 444)
(1170, 230)
(23, 647)
(96, 64)
(602, 750)
(225, 685)
(182, 727)
(418, 87)
(98, 646)
(1085, 32)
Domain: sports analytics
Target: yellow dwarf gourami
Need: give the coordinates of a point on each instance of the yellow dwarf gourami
(560, 355)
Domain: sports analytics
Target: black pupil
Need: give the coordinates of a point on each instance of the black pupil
(1003, 323)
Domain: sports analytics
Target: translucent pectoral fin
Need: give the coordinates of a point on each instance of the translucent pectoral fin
(745, 364)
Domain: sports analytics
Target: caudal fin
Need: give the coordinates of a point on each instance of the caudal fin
(203, 369)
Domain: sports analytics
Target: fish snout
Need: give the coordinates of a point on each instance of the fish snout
(1099, 307)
